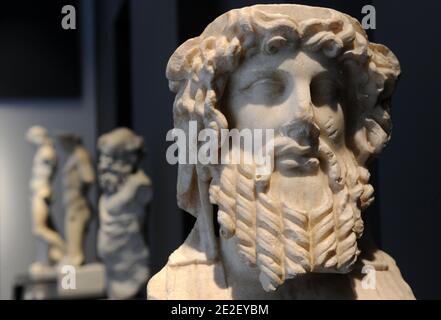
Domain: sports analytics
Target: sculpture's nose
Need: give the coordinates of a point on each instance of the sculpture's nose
(302, 127)
(302, 103)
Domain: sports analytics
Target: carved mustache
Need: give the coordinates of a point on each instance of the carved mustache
(297, 145)
(285, 145)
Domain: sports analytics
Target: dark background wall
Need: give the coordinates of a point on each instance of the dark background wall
(35, 45)
(409, 191)
(132, 40)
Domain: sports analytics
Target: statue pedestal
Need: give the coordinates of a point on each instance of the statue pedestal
(39, 271)
(62, 282)
(87, 281)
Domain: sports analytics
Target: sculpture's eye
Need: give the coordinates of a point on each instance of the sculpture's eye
(325, 90)
(266, 89)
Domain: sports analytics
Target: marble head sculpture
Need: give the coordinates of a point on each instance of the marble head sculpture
(310, 74)
(125, 192)
(49, 244)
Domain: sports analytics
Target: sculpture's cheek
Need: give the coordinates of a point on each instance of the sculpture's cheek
(263, 117)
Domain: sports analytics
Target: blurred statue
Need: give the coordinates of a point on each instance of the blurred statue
(290, 228)
(125, 192)
(49, 244)
(78, 176)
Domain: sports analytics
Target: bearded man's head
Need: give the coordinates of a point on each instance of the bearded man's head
(121, 151)
(325, 90)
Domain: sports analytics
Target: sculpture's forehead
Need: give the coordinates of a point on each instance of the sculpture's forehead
(298, 63)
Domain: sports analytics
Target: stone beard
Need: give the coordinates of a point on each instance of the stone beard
(311, 75)
(293, 225)
(126, 191)
(113, 176)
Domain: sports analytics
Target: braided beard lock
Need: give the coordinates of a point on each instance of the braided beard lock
(291, 225)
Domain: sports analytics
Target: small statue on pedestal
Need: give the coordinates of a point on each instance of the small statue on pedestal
(125, 192)
(49, 244)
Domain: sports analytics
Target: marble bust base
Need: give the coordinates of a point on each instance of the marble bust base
(204, 279)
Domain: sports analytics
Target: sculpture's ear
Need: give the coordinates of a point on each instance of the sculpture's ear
(374, 121)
